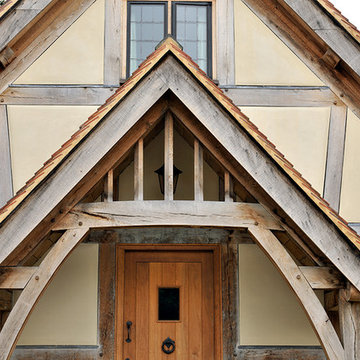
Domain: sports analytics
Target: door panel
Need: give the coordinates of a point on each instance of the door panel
(192, 273)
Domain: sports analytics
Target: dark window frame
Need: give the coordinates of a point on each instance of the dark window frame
(173, 27)
(165, 3)
(208, 6)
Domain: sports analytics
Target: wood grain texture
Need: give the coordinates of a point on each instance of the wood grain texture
(32, 42)
(6, 187)
(225, 59)
(322, 277)
(169, 157)
(281, 96)
(335, 156)
(15, 277)
(297, 281)
(257, 166)
(139, 170)
(56, 353)
(35, 287)
(279, 353)
(167, 213)
(112, 53)
(107, 275)
(282, 18)
(198, 171)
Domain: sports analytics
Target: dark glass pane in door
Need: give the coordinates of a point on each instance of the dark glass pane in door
(169, 304)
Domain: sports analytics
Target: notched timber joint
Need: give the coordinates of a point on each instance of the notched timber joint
(6, 57)
(331, 58)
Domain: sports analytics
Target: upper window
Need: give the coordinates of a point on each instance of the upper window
(190, 24)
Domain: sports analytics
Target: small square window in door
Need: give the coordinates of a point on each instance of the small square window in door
(169, 304)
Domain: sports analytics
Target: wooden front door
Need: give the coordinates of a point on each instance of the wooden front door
(170, 306)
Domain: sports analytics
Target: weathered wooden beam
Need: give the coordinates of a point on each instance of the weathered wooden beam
(169, 158)
(139, 170)
(279, 353)
(198, 171)
(349, 318)
(292, 96)
(107, 296)
(17, 20)
(30, 43)
(15, 277)
(80, 172)
(34, 288)
(309, 45)
(112, 53)
(56, 95)
(352, 294)
(257, 169)
(225, 59)
(335, 155)
(287, 96)
(6, 187)
(24, 352)
(297, 281)
(227, 187)
(109, 186)
(167, 213)
(230, 298)
(322, 277)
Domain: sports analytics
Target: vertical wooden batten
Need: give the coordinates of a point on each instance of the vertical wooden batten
(109, 187)
(112, 51)
(6, 186)
(198, 171)
(225, 42)
(335, 155)
(169, 158)
(139, 171)
(227, 187)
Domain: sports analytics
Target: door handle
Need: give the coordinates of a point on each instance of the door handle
(128, 326)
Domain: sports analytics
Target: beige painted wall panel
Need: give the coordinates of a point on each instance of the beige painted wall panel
(36, 132)
(262, 58)
(66, 314)
(270, 314)
(301, 134)
(350, 192)
(77, 57)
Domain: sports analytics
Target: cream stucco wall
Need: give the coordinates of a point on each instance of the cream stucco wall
(36, 132)
(301, 134)
(270, 314)
(350, 191)
(66, 314)
(77, 57)
(261, 58)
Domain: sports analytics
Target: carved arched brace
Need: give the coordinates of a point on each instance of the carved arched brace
(310, 302)
(34, 288)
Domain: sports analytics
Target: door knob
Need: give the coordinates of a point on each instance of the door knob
(168, 346)
(128, 326)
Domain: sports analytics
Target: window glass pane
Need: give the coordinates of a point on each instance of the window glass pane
(147, 24)
(169, 304)
(192, 31)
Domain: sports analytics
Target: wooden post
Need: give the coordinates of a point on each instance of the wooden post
(227, 187)
(169, 158)
(198, 171)
(112, 53)
(109, 187)
(335, 155)
(349, 319)
(139, 171)
(6, 186)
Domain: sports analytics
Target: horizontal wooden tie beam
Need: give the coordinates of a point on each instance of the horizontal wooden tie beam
(167, 213)
(15, 277)
(97, 95)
